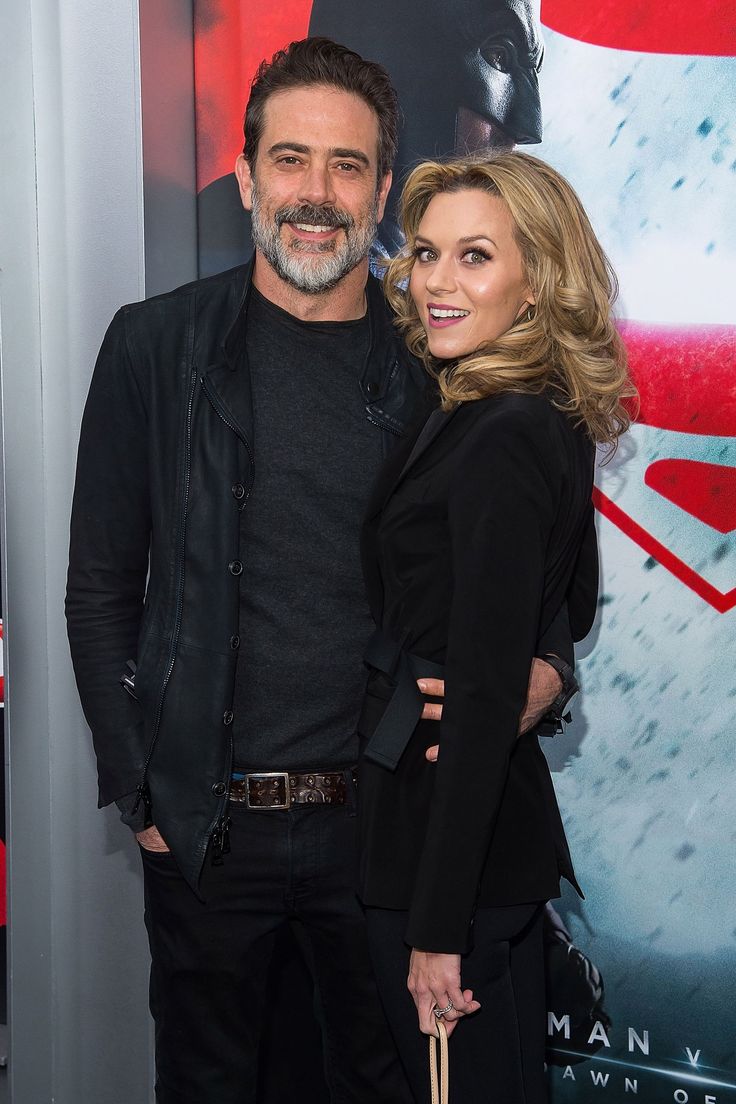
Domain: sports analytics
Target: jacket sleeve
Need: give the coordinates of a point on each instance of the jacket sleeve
(557, 639)
(108, 561)
(582, 597)
(502, 505)
(576, 615)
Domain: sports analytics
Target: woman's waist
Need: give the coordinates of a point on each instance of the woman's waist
(425, 648)
(393, 702)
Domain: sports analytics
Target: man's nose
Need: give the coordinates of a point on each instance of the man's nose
(316, 186)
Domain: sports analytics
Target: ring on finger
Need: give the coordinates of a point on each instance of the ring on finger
(442, 1011)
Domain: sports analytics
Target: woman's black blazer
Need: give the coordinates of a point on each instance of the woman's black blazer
(471, 544)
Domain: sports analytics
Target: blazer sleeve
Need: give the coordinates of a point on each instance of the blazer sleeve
(574, 619)
(557, 639)
(502, 505)
(108, 560)
(582, 597)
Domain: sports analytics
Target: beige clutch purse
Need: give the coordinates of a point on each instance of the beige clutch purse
(439, 1070)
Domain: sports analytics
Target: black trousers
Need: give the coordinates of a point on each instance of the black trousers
(210, 960)
(497, 1055)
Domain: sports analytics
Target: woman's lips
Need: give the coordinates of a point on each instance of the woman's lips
(441, 315)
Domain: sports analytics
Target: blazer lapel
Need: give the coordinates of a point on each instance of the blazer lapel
(433, 426)
(388, 480)
(431, 430)
(395, 468)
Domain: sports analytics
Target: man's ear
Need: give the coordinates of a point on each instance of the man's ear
(245, 181)
(383, 195)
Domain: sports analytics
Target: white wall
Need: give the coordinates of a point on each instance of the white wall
(71, 250)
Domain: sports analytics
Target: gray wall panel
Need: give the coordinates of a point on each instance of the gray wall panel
(169, 153)
(71, 250)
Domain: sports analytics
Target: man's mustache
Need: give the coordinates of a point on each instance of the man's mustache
(315, 216)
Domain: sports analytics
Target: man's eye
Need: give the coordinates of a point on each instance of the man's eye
(347, 166)
(289, 160)
(498, 56)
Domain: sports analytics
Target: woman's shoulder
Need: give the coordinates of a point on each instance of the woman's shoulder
(518, 406)
(522, 425)
(512, 414)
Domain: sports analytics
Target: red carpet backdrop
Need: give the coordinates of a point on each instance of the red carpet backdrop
(635, 104)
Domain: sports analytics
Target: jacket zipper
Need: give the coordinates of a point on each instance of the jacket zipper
(143, 793)
(372, 417)
(382, 425)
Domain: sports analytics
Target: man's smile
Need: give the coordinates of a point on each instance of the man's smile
(309, 232)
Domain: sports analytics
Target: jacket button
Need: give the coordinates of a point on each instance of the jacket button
(371, 389)
(238, 490)
(219, 789)
(235, 642)
(227, 717)
(235, 567)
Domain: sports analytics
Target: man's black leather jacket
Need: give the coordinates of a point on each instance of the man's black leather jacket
(165, 466)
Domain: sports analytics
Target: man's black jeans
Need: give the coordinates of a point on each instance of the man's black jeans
(210, 961)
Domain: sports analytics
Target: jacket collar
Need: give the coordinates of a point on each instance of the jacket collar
(233, 345)
(374, 380)
(391, 398)
(226, 378)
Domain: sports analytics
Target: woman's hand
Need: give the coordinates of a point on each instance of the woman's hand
(434, 981)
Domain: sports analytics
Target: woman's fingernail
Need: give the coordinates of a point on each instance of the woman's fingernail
(422, 685)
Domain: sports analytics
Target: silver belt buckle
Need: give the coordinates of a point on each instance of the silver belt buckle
(275, 777)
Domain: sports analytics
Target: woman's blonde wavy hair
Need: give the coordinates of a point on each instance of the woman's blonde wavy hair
(568, 342)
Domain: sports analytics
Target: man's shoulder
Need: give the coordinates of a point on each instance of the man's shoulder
(222, 290)
(384, 323)
(377, 303)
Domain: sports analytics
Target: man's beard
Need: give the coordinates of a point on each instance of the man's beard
(312, 268)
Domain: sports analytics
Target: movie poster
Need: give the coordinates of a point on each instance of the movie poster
(635, 105)
(638, 113)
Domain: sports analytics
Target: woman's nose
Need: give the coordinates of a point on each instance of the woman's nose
(440, 277)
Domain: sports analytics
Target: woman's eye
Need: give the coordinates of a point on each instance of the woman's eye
(475, 257)
(425, 255)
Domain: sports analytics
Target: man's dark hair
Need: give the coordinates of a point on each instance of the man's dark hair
(320, 61)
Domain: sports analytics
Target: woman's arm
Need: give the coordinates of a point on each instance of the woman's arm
(501, 509)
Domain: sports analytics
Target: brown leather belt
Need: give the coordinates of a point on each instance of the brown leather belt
(282, 789)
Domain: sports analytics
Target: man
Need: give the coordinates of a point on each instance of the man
(229, 440)
(467, 80)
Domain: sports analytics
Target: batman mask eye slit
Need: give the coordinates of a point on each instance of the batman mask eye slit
(501, 55)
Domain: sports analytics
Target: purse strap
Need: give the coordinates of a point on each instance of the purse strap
(439, 1073)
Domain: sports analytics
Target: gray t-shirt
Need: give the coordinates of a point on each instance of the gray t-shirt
(304, 619)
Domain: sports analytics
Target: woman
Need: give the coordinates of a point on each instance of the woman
(476, 537)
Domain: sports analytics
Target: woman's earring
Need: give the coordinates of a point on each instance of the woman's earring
(529, 314)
